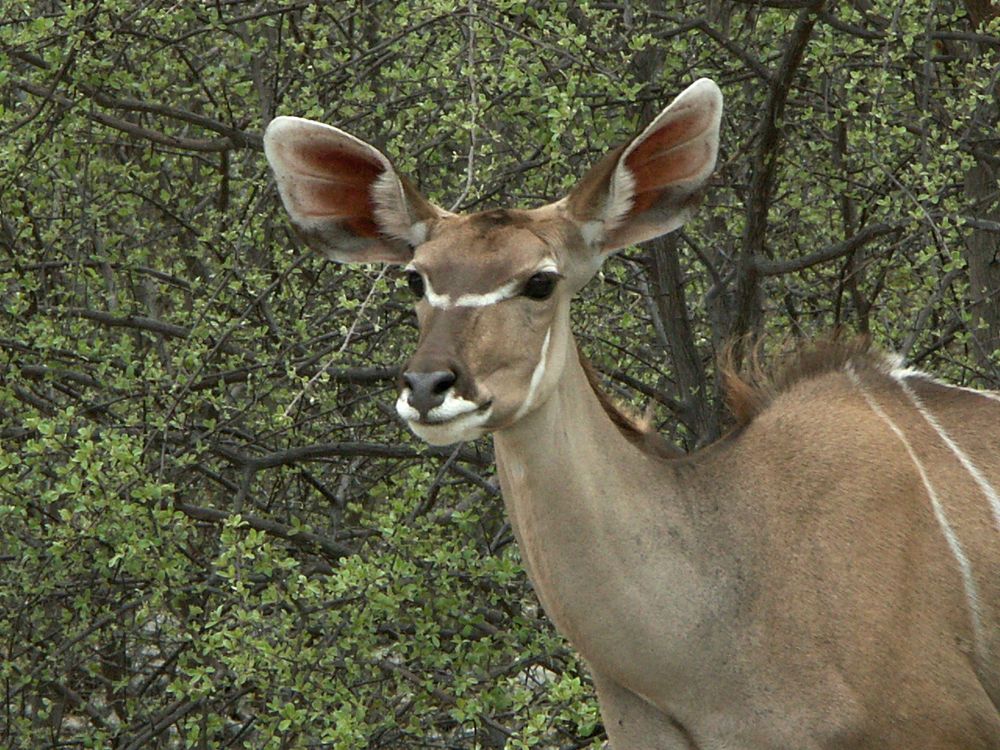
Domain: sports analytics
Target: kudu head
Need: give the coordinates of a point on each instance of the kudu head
(492, 288)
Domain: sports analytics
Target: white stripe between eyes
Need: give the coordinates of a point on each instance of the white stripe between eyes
(489, 298)
(968, 581)
(445, 301)
(501, 293)
(977, 475)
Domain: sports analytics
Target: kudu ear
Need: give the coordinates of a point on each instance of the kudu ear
(344, 197)
(650, 186)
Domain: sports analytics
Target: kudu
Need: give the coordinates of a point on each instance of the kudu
(826, 576)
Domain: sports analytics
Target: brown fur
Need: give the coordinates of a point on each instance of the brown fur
(484, 221)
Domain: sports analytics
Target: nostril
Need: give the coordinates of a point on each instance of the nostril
(446, 381)
(428, 389)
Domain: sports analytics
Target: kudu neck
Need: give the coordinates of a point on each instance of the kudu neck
(590, 511)
(570, 440)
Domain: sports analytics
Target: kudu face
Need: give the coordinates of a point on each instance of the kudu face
(492, 309)
(493, 288)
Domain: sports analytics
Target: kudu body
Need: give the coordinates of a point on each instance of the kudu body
(826, 576)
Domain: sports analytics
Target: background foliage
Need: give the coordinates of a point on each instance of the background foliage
(213, 531)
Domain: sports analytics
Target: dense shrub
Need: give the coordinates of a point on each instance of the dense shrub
(213, 531)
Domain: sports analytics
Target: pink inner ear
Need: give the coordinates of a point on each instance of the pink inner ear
(671, 154)
(337, 185)
(316, 198)
(325, 159)
(679, 165)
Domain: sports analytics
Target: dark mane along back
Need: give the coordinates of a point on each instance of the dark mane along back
(638, 430)
(751, 391)
(748, 390)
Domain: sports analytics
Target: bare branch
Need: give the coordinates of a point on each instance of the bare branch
(139, 131)
(347, 339)
(920, 322)
(142, 323)
(359, 375)
(304, 539)
(321, 451)
(237, 136)
(139, 322)
(830, 252)
(727, 44)
(473, 107)
(173, 713)
(985, 224)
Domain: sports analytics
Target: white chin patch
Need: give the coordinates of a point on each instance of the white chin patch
(454, 421)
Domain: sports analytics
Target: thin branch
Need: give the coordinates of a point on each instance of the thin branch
(125, 126)
(831, 252)
(80, 704)
(649, 391)
(319, 451)
(780, 4)
(305, 539)
(141, 323)
(358, 375)
(984, 224)
(250, 139)
(966, 36)
(172, 714)
(42, 371)
(236, 136)
(473, 107)
(849, 28)
(667, 282)
(347, 339)
(929, 309)
(727, 44)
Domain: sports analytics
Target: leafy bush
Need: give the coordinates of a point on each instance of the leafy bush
(214, 531)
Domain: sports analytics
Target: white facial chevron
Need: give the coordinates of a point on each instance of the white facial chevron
(536, 378)
(447, 302)
(489, 298)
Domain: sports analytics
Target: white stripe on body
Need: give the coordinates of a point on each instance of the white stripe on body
(898, 372)
(984, 484)
(968, 581)
(991, 395)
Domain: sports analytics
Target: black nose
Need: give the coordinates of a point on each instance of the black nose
(428, 389)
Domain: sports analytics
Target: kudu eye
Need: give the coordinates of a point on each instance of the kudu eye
(416, 283)
(541, 285)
